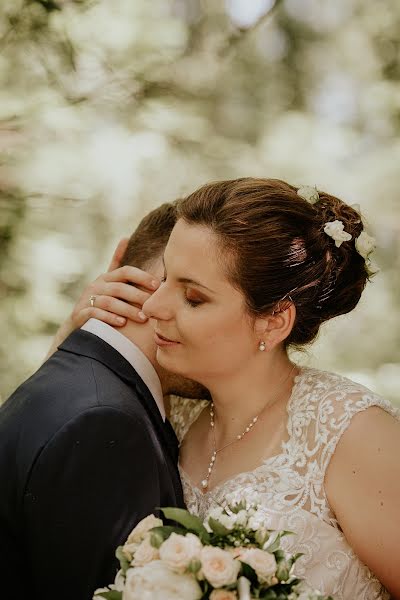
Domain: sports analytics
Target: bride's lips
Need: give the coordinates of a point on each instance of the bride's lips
(163, 341)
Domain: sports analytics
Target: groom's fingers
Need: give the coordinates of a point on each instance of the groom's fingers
(134, 276)
(110, 310)
(118, 254)
(97, 313)
(119, 307)
(117, 296)
(126, 292)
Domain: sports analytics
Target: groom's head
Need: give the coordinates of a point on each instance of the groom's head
(147, 243)
(145, 250)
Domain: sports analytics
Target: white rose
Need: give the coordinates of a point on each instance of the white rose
(119, 582)
(262, 562)
(218, 566)
(129, 550)
(138, 534)
(335, 230)
(365, 244)
(156, 581)
(145, 553)
(223, 595)
(308, 193)
(179, 550)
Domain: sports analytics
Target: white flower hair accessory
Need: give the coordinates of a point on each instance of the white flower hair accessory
(335, 230)
(308, 193)
(365, 244)
(372, 268)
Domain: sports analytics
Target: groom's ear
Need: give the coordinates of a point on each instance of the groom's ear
(118, 254)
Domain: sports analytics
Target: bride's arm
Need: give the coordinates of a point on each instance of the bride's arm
(117, 298)
(363, 487)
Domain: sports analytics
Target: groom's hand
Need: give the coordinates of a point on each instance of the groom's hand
(117, 295)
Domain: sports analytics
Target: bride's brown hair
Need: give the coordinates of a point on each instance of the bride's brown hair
(275, 251)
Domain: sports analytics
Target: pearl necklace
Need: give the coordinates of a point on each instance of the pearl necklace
(240, 436)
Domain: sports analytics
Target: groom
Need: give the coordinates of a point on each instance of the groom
(86, 451)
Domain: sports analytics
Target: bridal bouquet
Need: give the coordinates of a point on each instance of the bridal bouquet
(230, 556)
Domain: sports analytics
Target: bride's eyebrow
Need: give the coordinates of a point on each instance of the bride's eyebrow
(193, 282)
(189, 281)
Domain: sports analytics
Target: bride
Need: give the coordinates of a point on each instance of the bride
(254, 267)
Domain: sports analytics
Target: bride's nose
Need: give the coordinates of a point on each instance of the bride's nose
(158, 306)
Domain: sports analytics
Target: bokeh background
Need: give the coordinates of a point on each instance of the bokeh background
(110, 107)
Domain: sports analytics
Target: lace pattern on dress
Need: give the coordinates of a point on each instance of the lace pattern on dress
(290, 485)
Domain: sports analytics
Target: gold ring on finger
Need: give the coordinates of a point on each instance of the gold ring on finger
(92, 300)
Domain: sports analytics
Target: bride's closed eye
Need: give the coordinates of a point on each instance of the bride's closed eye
(193, 302)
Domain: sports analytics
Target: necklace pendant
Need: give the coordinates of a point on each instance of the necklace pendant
(204, 484)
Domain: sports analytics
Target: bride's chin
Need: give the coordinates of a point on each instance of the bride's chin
(166, 361)
(169, 363)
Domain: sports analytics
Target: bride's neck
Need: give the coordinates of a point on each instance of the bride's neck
(253, 390)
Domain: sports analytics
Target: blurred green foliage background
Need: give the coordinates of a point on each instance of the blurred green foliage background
(110, 107)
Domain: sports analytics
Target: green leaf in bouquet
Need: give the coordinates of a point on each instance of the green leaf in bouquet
(235, 508)
(262, 536)
(217, 527)
(279, 591)
(296, 557)
(190, 522)
(286, 532)
(283, 570)
(123, 560)
(276, 542)
(250, 574)
(158, 535)
(111, 595)
(269, 594)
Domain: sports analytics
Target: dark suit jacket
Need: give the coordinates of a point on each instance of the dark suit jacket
(84, 455)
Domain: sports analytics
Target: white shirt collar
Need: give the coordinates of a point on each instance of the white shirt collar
(132, 354)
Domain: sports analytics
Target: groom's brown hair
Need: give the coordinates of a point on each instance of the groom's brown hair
(150, 237)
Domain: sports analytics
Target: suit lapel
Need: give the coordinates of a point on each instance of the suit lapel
(87, 344)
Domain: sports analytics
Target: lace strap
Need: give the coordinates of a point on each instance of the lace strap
(183, 413)
(320, 413)
(345, 408)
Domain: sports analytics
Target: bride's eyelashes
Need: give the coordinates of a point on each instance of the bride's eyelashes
(193, 303)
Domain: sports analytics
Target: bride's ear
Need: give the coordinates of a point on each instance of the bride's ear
(276, 327)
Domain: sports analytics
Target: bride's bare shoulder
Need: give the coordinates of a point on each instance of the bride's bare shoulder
(363, 487)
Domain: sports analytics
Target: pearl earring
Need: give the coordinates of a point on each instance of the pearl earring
(262, 346)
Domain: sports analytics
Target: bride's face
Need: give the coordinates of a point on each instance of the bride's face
(203, 330)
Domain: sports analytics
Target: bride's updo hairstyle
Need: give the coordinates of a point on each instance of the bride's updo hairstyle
(274, 249)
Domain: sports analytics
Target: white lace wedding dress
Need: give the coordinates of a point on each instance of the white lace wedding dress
(290, 485)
